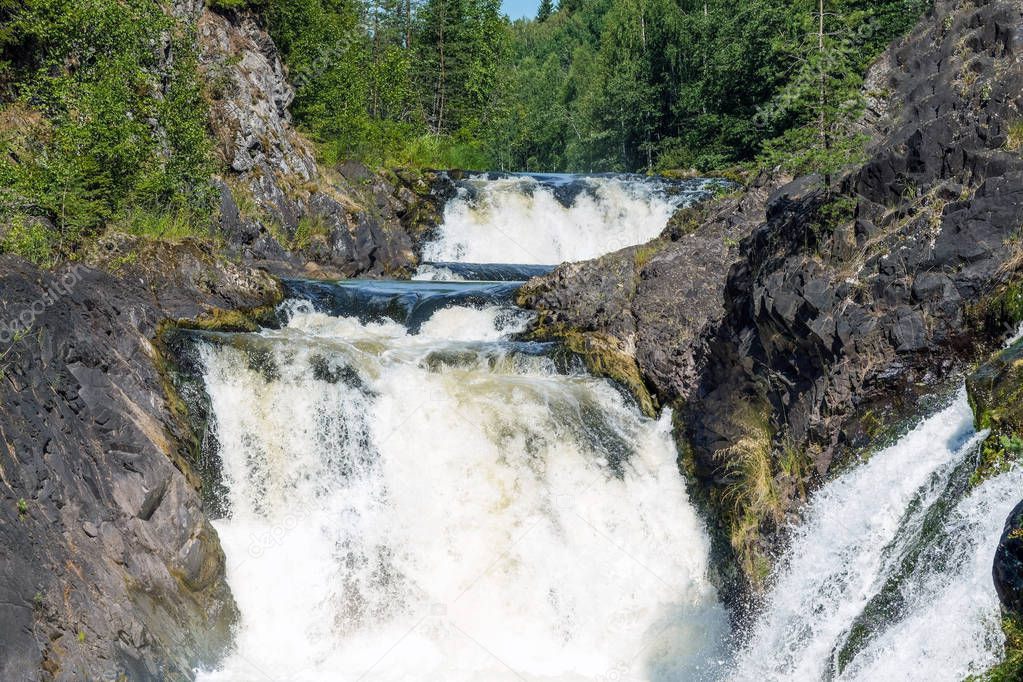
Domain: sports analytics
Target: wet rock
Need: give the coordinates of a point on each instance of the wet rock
(996, 391)
(1008, 566)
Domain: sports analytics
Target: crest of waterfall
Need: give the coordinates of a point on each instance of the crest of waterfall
(551, 219)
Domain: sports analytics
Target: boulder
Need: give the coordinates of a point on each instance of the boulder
(1008, 567)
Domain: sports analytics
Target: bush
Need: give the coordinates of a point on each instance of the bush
(29, 239)
(101, 120)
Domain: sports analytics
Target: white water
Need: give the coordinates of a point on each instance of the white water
(451, 522)
(438, 507)
(518, 219)
(943, 623)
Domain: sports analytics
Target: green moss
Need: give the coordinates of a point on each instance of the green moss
(998, 453)
(604, 357)
(996, 396)
(233, 321)
(1002, 309)
(1011, 667)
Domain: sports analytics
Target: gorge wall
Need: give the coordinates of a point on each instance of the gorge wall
(805, 321)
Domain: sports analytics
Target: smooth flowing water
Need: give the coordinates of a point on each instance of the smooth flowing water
(412, 493)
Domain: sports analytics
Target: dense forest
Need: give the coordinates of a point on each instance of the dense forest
(590, 85)
(97, 125)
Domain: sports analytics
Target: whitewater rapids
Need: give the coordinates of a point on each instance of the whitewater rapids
(413, 493)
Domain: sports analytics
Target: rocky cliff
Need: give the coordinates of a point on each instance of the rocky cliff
(110, 568)
(278, 208)
(840, 305)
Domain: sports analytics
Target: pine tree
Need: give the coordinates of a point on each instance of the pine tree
(545, 11)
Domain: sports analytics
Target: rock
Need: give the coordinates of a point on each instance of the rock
(109, 568)
(299, 218)
(660, 298)
(1008, 566)
(996, 392)
(835, 309)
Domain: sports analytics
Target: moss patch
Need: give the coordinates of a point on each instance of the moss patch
(604, 356)
(1011, 667)
(996, 396)
(235, 321)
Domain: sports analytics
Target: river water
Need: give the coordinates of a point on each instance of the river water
(412, 493)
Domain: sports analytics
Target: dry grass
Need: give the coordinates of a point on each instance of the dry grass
(752, 499)
(1014, 143)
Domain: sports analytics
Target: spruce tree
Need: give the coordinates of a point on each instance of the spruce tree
(545, 11)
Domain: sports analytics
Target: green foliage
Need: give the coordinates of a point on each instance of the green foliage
(656, 84)
(99, 122)
(374, 79)
(22, 507)
(29, 239)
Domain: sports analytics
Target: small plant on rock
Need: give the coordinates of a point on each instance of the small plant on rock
(1014, 143)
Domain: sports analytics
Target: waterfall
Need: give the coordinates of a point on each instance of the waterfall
(551, 219)
(888, 576)
(413, 492)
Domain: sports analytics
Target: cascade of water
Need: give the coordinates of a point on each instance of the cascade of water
(413, 493)
(889, 575)
(438, 505)
(554, 219)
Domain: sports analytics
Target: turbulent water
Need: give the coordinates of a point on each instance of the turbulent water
(412, 493)
(445, 505)
(889, 577)
(550, 219)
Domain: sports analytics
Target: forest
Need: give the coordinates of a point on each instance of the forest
(589, 85)
(97, 127)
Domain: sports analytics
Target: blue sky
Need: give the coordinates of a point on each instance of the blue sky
(517, 9)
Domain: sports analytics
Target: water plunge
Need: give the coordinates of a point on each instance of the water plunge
(412, 493)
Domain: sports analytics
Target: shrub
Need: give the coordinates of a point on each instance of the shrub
(29, 239)
(101, 120)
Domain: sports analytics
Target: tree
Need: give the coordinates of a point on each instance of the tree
(545, 11)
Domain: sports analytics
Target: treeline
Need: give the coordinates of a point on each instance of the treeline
(396, 81)
(97, 125)
(589, 84)
(640, 84)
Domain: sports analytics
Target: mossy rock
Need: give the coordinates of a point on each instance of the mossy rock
(996, 396)
(604, 356)
(996, 391)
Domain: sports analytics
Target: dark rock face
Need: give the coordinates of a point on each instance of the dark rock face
(657, 300)
(840, 304)
(1008, 567)
(109, 568)
(841, 307)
